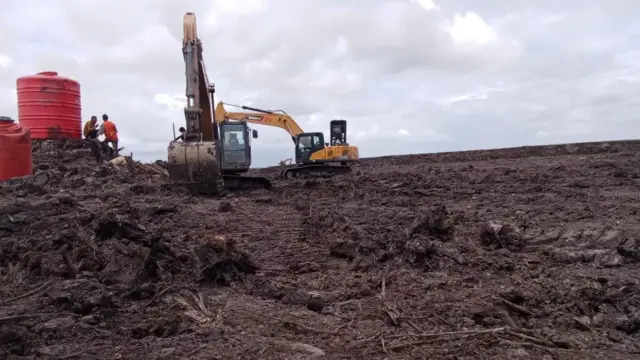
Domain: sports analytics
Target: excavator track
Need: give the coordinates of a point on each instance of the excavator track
(314, 171)
(239, 182)
(196, 188)
(231, 183)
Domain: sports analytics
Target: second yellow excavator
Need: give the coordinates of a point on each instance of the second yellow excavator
(313, 157)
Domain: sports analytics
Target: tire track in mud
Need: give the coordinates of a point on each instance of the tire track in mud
(269, 231)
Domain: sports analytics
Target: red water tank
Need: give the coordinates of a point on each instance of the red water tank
(49, 105)
(15, 149)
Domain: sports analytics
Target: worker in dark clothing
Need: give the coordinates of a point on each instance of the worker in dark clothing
(182, 133)
(234, 143)
(90, 130)
(90, 133)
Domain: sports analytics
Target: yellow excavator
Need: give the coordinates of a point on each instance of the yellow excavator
(313, 157)
(212, 155)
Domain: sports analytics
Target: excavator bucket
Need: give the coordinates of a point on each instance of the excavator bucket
(195, 164)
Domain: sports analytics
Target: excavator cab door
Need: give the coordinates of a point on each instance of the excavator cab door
(236, 147)
(338, 132)
(306, 145)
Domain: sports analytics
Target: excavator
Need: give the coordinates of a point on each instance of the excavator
(213, 154)
(313, 157)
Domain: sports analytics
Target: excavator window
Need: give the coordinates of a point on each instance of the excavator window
(234, 137)
(234, 145)
(307, 144)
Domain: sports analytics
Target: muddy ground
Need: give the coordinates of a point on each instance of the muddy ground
(529, 253)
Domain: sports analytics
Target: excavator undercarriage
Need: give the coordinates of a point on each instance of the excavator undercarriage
(314, 171)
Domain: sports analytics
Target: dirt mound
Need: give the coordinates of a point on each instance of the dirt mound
(221, 262)
(459, 255)
(587, 148)
(69, 166)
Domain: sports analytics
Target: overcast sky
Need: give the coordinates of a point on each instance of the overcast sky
(409, 76)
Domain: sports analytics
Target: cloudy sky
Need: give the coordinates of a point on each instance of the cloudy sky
(410, 76)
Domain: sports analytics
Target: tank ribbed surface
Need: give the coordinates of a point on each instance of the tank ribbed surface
(15, 150)
(49, 105)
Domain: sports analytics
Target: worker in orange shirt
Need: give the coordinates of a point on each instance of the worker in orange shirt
(110, 132)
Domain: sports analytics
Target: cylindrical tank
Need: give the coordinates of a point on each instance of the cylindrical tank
(49, 105)
(15, 149)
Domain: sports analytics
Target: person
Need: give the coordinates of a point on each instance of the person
(90, 130)
(234, 143)
(110, 132)
(181, 136)
(304, 143)
(337, 135)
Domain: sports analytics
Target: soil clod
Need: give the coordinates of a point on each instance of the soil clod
(222, 263)
(496, 235)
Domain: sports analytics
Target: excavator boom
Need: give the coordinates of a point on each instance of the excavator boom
(207, 159)
(261, 117)
(194, 161)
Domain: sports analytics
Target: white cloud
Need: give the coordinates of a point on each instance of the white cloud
(427, 4)
(171, 101)
(470, 28)
(5, 61)
(451, 74)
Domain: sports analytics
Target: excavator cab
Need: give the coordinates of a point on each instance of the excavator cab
(306, 145)
(314, 156)
(236, 146)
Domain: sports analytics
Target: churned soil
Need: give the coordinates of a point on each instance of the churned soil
(527, 253)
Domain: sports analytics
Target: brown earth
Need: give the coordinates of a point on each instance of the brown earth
(529, 253)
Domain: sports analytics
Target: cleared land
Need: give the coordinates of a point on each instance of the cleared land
(528, 253)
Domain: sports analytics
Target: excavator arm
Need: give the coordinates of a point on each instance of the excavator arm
(199, 92)
(195, 161)
(261, 117)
